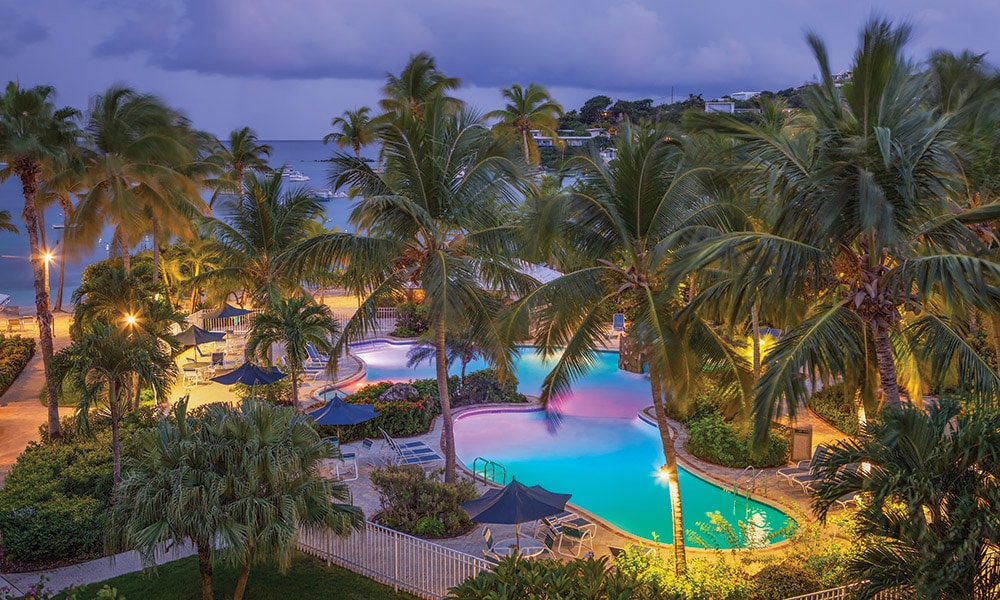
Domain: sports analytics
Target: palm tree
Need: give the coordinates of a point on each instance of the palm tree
(293, 323)
(868, 230)
(439, 217)
(626, 220)
(106, 362)
(235, 481)
(355, 129)
(5, 222)
(139, 147)
(260, 232)
(271, 488)
(185, 261)
(32, 130)
(60, 183)
(420, 81)
(528, 109)
(241, 153)
(926, 478)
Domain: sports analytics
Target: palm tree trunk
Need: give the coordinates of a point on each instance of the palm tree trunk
(29, 173)
(995, 334)
(241, 581)
(441, 365)
(116, 445)
(886, 367)
(156, 251)
(205, 569)
(755, 326)
(669, 467)
(67, 207)
(295, 385)
(126, 257)
(524, 147)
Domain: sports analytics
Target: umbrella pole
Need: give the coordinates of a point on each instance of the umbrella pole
(517, 536)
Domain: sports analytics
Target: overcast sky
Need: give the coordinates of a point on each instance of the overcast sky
(286, 67)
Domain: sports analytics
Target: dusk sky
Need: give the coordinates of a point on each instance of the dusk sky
(287, 67)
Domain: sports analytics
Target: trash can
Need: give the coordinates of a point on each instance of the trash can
(802, 442)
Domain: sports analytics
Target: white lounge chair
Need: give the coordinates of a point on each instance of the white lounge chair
(410, 453)
(803, 468)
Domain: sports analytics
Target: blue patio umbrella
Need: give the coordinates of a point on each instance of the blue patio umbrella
(229, 311)
(514, 504)
(337, 412)
(194, 335)
(250, 374)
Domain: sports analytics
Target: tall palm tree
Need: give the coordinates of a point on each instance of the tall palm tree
(626, 220)
(33, 130)
(293, 323)
(106, 363)
(185, 261)
(241, 153)
(528, 109)
(61, 182)
(139, 146)
(439, 217)
(868, 229)
(355, 129)
(260, 232)
(927, 477)
(420, 81)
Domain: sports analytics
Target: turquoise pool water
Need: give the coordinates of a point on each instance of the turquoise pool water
(599, 450)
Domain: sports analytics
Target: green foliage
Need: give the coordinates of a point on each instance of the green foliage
(514, 579)
(415, 503)
(53, 503)
(721, 442)
(279, 392)
(15, 352)
(483, 387)
(411, 320)
(833, 407)
(784, 580)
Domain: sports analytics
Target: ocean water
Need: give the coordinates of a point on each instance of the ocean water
(309, 157)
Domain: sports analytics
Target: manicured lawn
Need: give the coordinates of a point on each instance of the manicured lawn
(307, 578)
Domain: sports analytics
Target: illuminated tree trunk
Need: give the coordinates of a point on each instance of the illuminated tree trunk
(441, 365)
(669, 466)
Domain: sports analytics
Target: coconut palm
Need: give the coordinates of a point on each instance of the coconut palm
(106, 362)
(528, 109)
(33, 130)
(239, 154)
(440, 218)
(134, 172)
(259, 232)
(420, 81)
(6, 224)
(926, 480)
(627, 219)
(355, 129)
(61, 182)
(868, 230)
(186, 260)
(293, 323)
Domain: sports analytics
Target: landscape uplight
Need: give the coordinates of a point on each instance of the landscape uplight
(129, 319)
(47, 257)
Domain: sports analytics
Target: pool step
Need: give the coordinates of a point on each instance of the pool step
(489, 470)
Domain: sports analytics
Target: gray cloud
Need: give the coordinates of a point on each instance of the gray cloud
(18, 31)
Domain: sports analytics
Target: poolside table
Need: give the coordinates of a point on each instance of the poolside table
(529, 547)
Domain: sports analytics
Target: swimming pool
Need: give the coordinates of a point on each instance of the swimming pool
(600, 451)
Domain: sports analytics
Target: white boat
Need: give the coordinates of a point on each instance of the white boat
(322, 195)
(298, 176)
(340, 194)
(287, 171)
(57, 226)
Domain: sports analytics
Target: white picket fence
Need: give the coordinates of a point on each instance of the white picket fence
(406, 563)
(846, 593)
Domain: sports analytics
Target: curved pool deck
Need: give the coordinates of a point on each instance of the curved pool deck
(790, 501)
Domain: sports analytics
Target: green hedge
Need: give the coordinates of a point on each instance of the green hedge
(831, 405)
(15, 352)
(54, 501)
(720, 442)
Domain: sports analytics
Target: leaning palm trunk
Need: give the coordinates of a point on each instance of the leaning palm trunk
(67, 207)
(116, 449)
(29, 174)
(441, 364)
(156, 250)
(241, 581)
(886, 367)
(524, 146)
(669, 466)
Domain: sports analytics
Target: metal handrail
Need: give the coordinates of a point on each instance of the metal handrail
(493, 468)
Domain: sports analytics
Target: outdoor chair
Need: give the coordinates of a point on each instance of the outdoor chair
(316, 358)
(191, 379)
(14, 325)
(410, 453)
(28, 322)
(617, 324)
(806, 480)
(804, 468)
(489, 552)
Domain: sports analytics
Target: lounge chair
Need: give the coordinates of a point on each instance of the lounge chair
(489, 552)
(804, 468)
(316, 358)
(410, 453)
(617, 324)
(806, 480)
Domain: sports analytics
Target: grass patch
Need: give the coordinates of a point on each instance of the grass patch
(307, 578)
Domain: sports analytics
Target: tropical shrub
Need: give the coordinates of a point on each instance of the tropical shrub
(279, 392)
(718, 441)
(15, 352)
(514, 579)
(483, 387)
(417, 504)
(784, 580)
(831, 405)
(411, 320)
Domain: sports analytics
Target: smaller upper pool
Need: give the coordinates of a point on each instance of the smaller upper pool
(600, 451)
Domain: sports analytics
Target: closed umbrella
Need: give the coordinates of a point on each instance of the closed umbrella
(337, 412)
(514, 504)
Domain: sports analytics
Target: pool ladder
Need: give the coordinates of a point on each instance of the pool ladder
(748, 479)
(491, 471)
